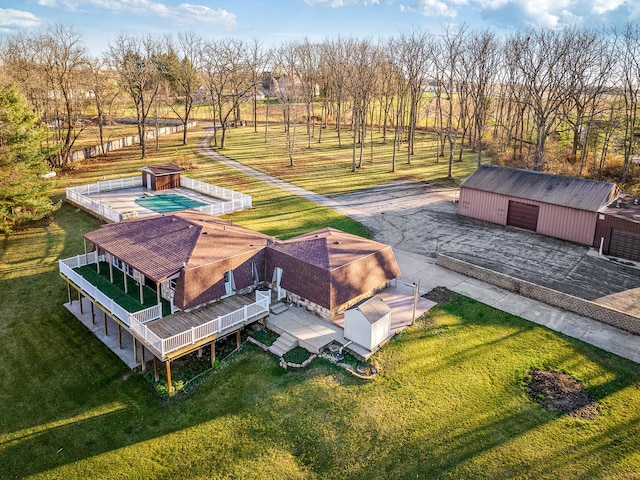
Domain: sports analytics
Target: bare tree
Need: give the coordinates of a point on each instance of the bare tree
(540, 57)
(413, 57)
(61, 57)
(360, 74)
(589, 64)
(288, 93)
(258, 60)
(226, 72)
(480, 63)
(445, 57)
(101, 85)
(180, 66)
(135, 61)
(629, 73)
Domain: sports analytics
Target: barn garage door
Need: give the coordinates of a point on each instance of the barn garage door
(522, 215)
(624, 244)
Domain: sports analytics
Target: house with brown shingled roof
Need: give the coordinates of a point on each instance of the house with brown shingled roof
(328, 270)
(193, 259)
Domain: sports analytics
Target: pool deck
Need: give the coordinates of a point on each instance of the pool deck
(125, 200)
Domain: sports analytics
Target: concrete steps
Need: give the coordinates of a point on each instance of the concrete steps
(283, 344)
(278, 308)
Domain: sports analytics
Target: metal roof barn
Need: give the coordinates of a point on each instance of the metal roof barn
(554, 205)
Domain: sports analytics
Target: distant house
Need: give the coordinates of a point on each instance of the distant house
(554, 205)
(328, 270)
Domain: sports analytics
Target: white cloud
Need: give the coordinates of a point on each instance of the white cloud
(17, 18)
(604, 6)
(183, 13)
(435, 8)
(339, 3)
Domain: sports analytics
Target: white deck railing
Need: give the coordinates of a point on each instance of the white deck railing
(224, 322)
(137, 321)
(66, 267)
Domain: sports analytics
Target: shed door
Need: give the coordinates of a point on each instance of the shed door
(624, 244)
(149, 181)
(523, 215)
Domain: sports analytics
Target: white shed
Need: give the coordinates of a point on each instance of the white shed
(368, 323)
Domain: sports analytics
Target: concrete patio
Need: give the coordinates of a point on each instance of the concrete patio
(314, 333)
(124, 201)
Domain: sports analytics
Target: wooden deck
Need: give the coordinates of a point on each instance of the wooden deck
(181, 322)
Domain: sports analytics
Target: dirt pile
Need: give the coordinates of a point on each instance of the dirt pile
(561, 392)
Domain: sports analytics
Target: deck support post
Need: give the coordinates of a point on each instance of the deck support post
(213, 353)
(135, 349)
(69, 292)
(200, 352)
(84, 241)
(111, 271)
(120, 336)
(156, 376)
(104, 318)
(238, 339)
(144, 362)
(97, 261)
(93, 316)
(158, 292)
(124, 277)
(141, 294)
(167, 365)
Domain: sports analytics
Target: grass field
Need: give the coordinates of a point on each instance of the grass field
(325, 168)
(449, 401)
(275, 211)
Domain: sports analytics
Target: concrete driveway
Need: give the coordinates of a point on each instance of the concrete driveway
(422, 219)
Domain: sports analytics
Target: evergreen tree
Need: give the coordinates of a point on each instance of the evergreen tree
(24, 195)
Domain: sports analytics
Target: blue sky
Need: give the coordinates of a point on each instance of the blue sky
(275, 21)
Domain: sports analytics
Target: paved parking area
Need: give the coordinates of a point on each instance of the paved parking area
(422, 219)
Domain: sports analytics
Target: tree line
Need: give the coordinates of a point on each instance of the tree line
(527, 98)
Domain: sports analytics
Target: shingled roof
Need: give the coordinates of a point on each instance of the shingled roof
(373, 308)
(579, 193)
(160, 246)
(330, 267)
(163, 169)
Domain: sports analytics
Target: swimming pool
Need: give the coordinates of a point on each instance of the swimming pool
(167, 202)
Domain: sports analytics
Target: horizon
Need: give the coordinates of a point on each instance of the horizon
(99, 21)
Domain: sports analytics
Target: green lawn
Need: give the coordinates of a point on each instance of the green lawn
(449, 401)
(276, 212)
(325, 168)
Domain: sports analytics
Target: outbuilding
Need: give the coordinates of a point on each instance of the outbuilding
(618, 229)
(555, 205)
(368, 323)
(161, 177)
